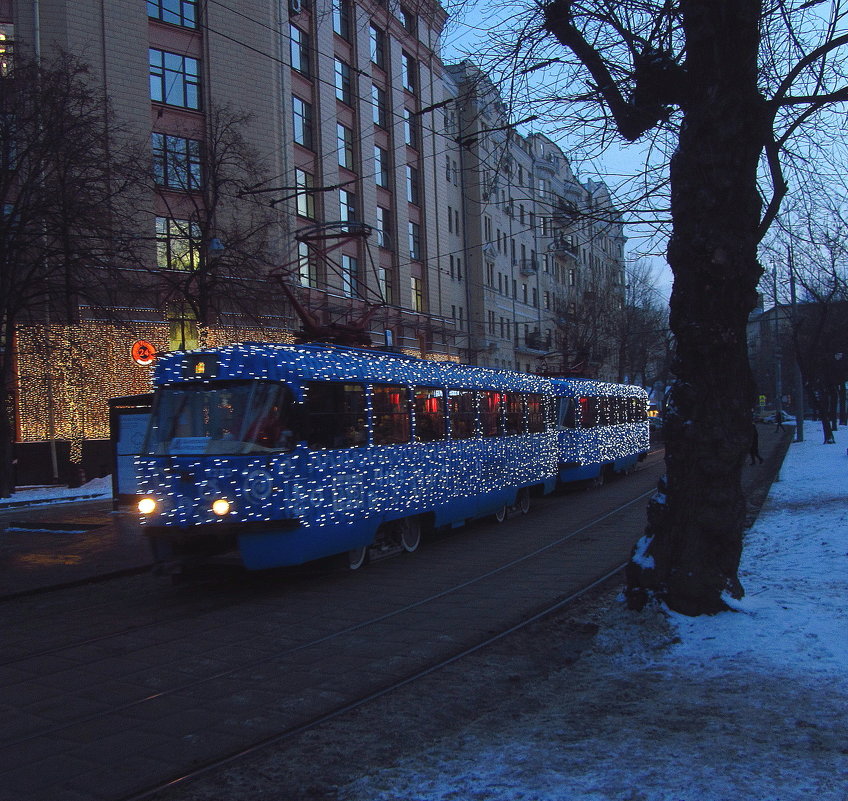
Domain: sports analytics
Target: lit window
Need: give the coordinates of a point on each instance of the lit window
(177, 244)
(417, 286)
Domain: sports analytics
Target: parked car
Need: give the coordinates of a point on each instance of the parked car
(788, 419)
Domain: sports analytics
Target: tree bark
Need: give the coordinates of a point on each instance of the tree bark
(690, 555)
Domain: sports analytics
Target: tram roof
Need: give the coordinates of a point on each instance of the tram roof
(574, 387)
(296, 363)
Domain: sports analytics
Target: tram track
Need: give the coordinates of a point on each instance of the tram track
(193, 610)
(293, 732)
(217, 684)
(188, 686)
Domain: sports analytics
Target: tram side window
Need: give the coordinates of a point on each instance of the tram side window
(535, 413)
(429, 414)
(391, 414)
(566, 416)
(335, 415)
(463, 414)
(588, 412)
(490, 412)
(514, 413)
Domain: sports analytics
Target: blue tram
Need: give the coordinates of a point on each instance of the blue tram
(286, 454)
(602, 428)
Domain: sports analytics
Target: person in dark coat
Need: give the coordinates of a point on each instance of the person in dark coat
(755, 445)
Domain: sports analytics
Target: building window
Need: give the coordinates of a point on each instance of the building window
(384, 227)
(381, 167)
(302, 122)
(305, 195)
(350, 269)
(177, 244)
(344, 82)
(407, 19)
(378, 47)
(306, 267)
(174, 79)
(414, 241)
(341, 18)
(347, 206)
(345, 146)
(408, 70)
(384, 285)
(176, 162)
(379, 105)
(410, 128)
(412, 188)
(417, 285)
(176, 12)
(299, 50)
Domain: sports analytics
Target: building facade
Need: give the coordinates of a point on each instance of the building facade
(314, 169)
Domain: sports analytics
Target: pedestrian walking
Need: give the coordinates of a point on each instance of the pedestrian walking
(778, 420)
(755, 445)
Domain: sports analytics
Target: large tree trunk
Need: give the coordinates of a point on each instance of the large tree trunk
(690, 554)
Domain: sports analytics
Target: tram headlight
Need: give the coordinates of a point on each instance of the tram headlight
(147, 506)
(221, 507)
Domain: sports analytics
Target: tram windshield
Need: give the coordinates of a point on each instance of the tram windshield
(225, 418)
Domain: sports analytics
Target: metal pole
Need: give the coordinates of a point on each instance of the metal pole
(778, 354)
(799, 379)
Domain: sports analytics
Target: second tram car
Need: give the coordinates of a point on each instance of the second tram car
(284, 454)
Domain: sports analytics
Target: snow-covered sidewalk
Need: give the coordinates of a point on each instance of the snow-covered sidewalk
(752, 705)
(32, 496)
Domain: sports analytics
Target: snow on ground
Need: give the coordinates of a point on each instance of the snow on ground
(750, 705)
(96, 488)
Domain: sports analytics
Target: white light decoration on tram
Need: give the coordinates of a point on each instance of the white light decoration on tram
(147, 506)
(221, 507)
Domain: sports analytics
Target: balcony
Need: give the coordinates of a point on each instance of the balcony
(562, 246)
(528, 266)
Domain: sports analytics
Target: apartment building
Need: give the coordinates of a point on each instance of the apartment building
(544, 253)
(315, 170)
(332, 102)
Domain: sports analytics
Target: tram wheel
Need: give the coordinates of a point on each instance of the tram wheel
(357, 557)
(522, 503)
(410, 534)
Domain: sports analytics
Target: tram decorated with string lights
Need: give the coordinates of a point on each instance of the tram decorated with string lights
(283, 454)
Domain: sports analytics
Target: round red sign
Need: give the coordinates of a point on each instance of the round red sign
(143, 353)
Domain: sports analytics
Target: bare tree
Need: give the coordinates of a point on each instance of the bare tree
(724, 87)
(640, 328)
(217, 237)
(65, 199)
